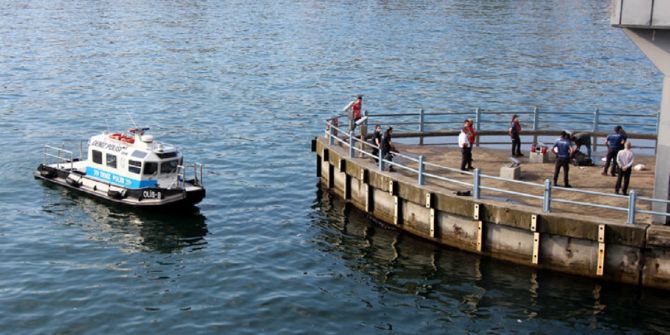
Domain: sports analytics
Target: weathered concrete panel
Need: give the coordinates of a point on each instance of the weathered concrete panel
(656, 270)
(623, 263)
(415, 218)
(658, 236)
(509, 243)
(358, 192)
(456, 231)
(384, 207)
(568, 254)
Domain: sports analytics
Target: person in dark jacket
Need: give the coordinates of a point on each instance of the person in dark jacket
(386, 146)
(615, 143)
(377, 141)
(514, 132)
(563, 150)
(582, 139)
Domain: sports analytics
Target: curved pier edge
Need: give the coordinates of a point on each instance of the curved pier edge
(614, 251)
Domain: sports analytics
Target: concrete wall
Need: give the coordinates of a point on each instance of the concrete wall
(634, 254)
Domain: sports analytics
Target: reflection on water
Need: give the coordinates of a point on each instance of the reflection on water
(134, 230)
(460, 287)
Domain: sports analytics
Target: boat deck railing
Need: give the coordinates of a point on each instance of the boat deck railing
(59, 156)
(417, 165)
(197, 174)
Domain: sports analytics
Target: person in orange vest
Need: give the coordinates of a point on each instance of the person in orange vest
(465, 141)
(355, 107)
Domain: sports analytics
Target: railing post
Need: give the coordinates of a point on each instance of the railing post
(331, 140)
(475, 184)
(631, 207)
(536, 123)
(351, 144)
(594, 138)
(421, 126)
(421, 169)
(546, 204)
(380, 159)
(478, 127)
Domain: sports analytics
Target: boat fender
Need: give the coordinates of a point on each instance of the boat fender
(115, 194)
(72, 182)
(49, 174)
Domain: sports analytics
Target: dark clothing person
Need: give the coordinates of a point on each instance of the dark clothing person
(387, 146)
(377, 141)
(615, 143)
(583, 139)
(624, 175)
(466, 149)
(563, 150)
(515, 131)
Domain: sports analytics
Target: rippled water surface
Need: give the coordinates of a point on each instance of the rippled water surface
(243, 86)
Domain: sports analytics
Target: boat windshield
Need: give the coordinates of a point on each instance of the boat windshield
(169, 166)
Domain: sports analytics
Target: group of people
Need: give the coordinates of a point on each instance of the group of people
(382, 141)
(619, 156)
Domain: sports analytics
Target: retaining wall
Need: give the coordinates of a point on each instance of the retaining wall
(633, 254)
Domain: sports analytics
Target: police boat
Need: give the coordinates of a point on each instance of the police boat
(126, 168)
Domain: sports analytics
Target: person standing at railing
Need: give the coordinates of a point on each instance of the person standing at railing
(386, 146)
(514, 132)
(615, 143)
(354, 111)
(625, 159)
(563, 150)
(376, 141)
(472, 133)
(582, 139)
(466, 148)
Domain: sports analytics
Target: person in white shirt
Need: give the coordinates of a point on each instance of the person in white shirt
(624, 159)
(466, 150)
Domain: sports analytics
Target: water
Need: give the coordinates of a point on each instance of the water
(243, 87)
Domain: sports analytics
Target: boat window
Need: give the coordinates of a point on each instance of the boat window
(166, 154)
(97, 157)
(134, 166)
(139, 154)
(150, 168)
(169, 166)
(111, 160)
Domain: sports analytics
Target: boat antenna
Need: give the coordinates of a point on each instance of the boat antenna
(131, 119)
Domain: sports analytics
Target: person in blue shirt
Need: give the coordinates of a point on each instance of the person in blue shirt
(563, 150)
(615, 143)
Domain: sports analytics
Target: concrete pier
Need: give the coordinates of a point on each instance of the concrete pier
(590, 244)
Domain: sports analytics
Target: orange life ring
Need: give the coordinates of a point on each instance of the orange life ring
(116, 136)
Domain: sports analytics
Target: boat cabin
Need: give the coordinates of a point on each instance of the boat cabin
(133, 160)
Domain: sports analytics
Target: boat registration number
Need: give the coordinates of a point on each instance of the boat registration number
(151, 194)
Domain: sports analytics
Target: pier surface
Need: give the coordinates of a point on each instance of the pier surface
(489, 161)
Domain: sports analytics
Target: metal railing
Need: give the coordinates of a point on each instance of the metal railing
(62, 157)
(534, 120)
(197, 175)
(348, 140)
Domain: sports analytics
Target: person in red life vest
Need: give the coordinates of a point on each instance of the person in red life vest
(469, 133)
(472, 134)
(514, 132)
(354, 108)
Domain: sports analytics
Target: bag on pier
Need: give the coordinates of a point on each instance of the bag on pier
(580, 159)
